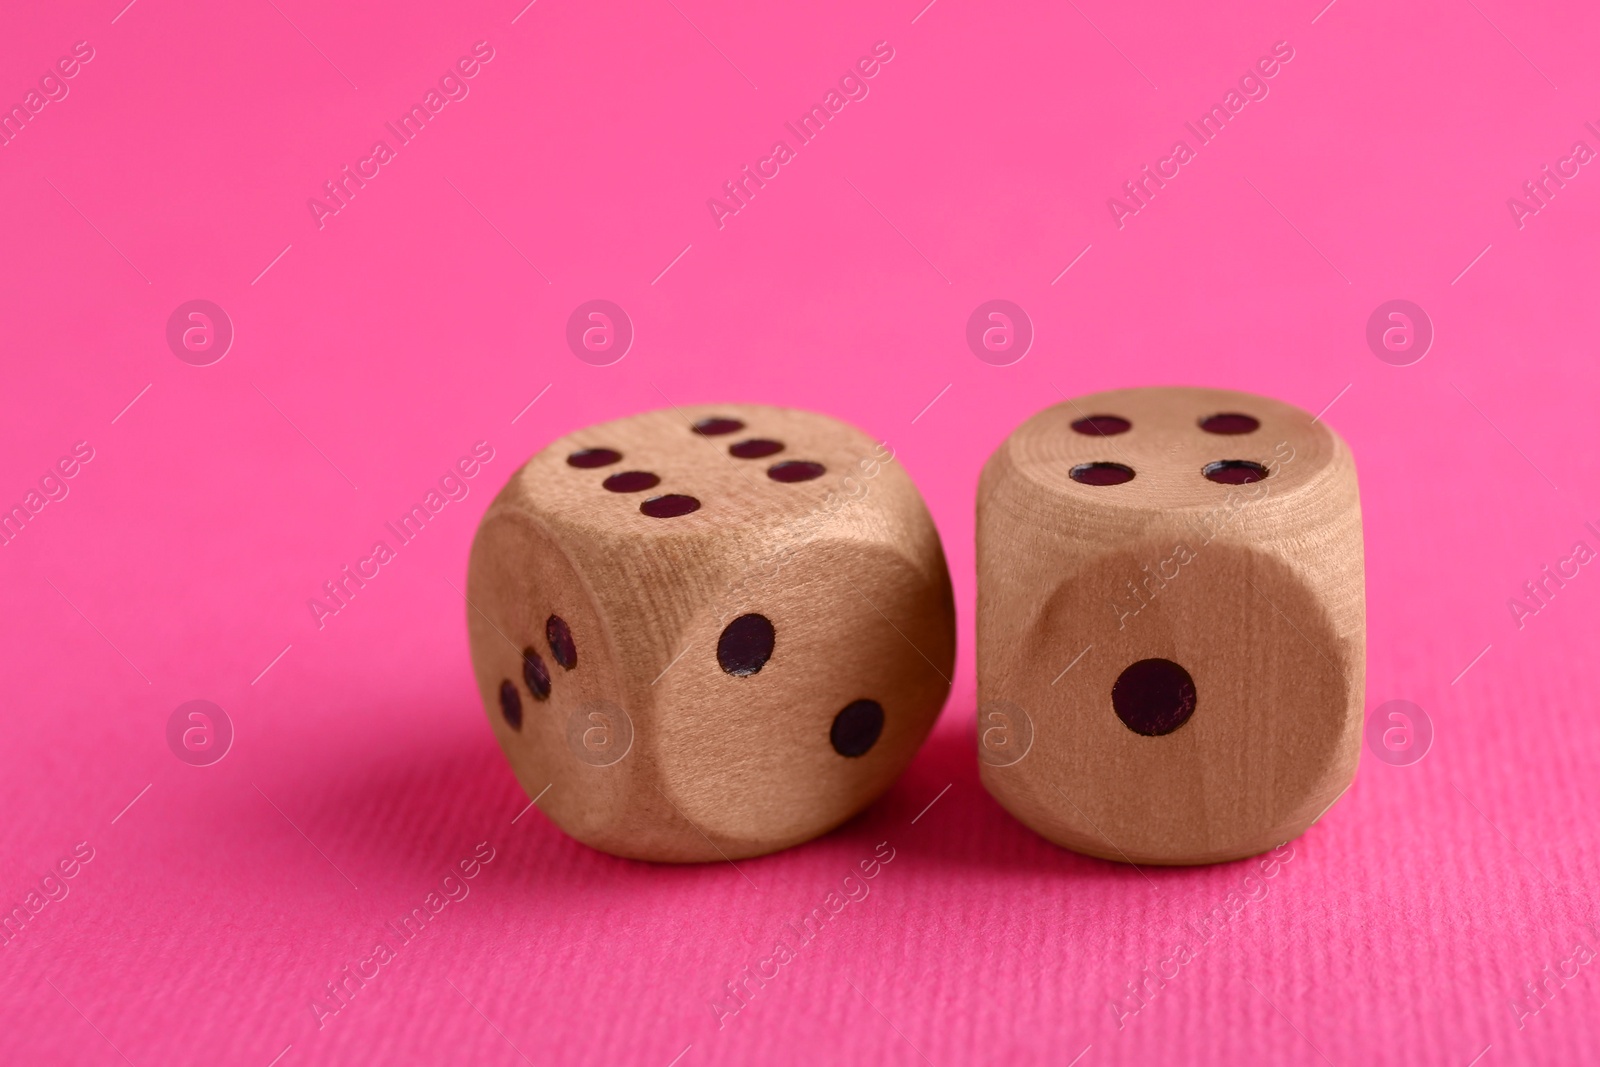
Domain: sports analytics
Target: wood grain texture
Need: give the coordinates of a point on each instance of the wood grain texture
(847, 567)
(1256, 590)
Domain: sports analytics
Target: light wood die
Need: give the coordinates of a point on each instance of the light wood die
(1171, 624)
(711, 632)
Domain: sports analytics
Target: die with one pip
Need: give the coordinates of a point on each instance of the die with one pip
(1171, 624)
(712, 632)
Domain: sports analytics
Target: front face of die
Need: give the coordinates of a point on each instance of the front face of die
(762, 621)
(1175, 692)
(806, 696)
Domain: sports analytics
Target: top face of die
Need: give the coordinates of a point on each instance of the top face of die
(700, 468)
(1170, 448)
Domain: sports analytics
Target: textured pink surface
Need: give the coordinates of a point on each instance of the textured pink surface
(426, 313)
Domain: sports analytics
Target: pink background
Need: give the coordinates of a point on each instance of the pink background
(419, 319)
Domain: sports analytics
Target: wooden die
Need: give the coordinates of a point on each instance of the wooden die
(709, 633)
(1171, 623)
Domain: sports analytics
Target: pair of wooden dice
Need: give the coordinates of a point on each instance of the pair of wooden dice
(717, 632)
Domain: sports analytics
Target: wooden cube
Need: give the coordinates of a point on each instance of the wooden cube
(709, 633)
(1171, 624)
